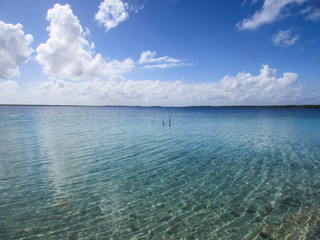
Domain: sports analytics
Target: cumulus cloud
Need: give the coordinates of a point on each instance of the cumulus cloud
(67, 53)
(241, 89)
(285, 38)
(271, 11)
(112, 12)
(14, 49)
(149, 60)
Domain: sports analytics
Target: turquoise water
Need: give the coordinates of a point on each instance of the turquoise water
(119, 173)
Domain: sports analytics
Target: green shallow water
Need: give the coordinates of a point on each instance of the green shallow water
(118, 173)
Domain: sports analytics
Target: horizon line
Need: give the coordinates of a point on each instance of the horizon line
(191, 106)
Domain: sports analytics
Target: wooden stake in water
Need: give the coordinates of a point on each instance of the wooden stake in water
(170, 122)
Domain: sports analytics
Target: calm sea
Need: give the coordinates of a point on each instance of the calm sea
(126, 173)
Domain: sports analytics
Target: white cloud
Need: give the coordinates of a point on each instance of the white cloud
(113, 12)
(9, 92)
(244, 2)
(136, 5)
(242, 89)
(270, 12)
(311, 13)
(149, 60)
(284, 38)
(8, 87)
(14, 49)
(67, 53)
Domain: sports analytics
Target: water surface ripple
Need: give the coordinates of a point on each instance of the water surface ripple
(119, 173)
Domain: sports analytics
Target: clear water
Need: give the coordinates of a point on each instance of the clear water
(118, 173)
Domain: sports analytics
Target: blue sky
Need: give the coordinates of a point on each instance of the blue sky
(152, 52)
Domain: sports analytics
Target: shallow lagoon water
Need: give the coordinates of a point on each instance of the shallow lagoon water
(118, 173)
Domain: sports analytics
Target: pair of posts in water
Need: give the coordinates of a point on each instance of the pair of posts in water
(169, 122)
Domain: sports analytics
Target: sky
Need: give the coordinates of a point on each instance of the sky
(160, 52)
